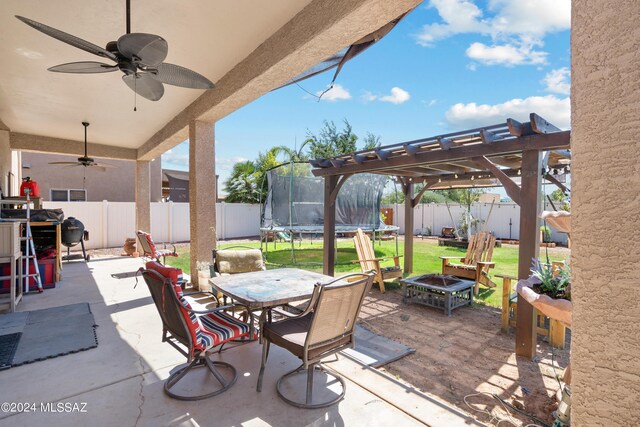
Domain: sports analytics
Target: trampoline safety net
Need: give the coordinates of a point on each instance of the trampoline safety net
(295, 201)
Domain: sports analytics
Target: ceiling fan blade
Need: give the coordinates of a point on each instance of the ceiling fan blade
(144, 85)
(65, 163)
(176, 75)
(149, 49)
(68, 38)
(83, 67)
(105, 165)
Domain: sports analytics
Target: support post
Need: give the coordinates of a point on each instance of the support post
(408, 226)
(202, 194)
(329, 235)
(530, 208)
(143, 195)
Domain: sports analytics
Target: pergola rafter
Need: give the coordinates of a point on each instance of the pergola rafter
(489, 156)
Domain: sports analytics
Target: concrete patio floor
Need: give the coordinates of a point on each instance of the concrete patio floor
(121, 380)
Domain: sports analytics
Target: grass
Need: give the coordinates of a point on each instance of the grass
(426, 259)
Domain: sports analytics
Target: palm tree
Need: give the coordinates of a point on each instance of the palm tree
(242, 186)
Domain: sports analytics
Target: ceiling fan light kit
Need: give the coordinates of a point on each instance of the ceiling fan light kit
(139, 56)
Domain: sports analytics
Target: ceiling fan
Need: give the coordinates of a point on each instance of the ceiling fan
(85, 160)
(139, 56)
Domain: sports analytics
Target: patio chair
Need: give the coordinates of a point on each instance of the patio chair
(368, 261)
(476, 263)
(324, 328)
(149, 249)
(198, 331)
(237, 259)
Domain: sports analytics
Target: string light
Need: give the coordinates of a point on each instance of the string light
(472, 177)
(456, 176)
(519, 172)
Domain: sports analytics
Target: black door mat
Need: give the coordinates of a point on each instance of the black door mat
(53, 332)
(8, 346)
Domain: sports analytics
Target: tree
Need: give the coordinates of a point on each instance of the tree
(242, 186)
(559, 196)
(331, 142)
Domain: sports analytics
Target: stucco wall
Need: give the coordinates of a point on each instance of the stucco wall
(605, 108)
(115, 185)
(5, 160)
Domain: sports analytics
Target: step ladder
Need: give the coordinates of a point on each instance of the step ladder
(29, 254)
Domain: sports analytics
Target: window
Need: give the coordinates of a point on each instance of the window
(58, 195)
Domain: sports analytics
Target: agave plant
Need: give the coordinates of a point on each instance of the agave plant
(555, 282)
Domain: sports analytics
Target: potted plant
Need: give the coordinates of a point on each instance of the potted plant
(549, 290)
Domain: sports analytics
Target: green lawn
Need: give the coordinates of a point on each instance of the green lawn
(426, 259)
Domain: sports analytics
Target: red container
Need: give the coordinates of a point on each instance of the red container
(31, 186)
(47, 268)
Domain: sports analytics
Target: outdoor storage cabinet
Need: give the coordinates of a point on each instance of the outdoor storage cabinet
(9, 238)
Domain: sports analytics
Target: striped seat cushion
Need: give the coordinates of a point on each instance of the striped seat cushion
(221, 327)
(164, 252)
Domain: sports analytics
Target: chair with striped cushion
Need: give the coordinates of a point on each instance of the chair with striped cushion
(200, 331)
(150, 250)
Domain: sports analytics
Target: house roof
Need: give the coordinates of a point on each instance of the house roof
(184, 175)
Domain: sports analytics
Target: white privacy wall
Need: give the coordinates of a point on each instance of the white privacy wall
(436, 216)
(110, 223)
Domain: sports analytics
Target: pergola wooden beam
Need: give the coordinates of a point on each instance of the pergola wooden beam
(509, 185)
(329, 234)
(539, 142)
(528, 248)
(557, 183)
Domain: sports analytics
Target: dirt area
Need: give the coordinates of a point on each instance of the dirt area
(465, 354)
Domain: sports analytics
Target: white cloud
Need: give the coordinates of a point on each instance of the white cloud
(459, 16)
(174, 158)
(369, 97)
(337, 92)
(515, 27)
(507, 54)
(557, 81)
(429, 103)
(397, 96)
(555, 110)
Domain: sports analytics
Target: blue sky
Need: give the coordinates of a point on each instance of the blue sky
(449, 65)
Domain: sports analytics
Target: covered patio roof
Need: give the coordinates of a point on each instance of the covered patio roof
(476, 157)
(246, 49)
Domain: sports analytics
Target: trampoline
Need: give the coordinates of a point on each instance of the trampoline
(294, 206)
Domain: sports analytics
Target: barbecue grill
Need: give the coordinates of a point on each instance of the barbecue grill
(73, 233)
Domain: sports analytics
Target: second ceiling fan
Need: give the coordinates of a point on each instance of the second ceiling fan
(139, 56)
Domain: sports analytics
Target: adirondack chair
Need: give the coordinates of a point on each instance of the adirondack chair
(476, 263)
(368, 261)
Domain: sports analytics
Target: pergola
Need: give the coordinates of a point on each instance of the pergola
(480, 157)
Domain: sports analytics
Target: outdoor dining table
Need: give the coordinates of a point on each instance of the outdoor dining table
(264, 290)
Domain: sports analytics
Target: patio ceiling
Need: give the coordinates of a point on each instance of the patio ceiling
(246, 48)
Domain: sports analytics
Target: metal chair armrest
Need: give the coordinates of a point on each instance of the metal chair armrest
(209, 293)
